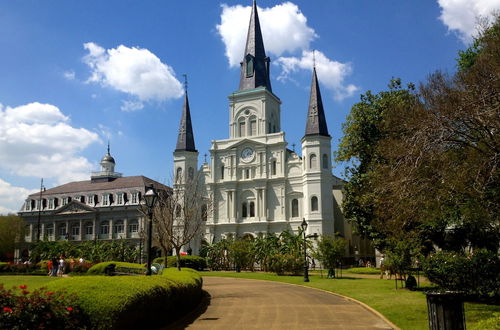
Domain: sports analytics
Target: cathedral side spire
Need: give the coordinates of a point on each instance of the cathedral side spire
(255, 65)
(185, 139)
(316, 122)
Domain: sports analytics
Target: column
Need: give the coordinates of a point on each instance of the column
(257, 204)
(110, 234)
(42, 231)
(68, 233)
(94, 228)
(264, 202)
(54, 231)
(125, 228)
(81, 231)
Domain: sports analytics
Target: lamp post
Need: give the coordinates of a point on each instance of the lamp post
(39, 212)
(303, 225)
(150, 198)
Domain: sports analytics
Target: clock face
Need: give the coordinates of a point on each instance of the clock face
(247, 154)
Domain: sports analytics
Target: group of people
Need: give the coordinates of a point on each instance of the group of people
(57, 266)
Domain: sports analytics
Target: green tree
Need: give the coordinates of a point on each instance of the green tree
(329, 252)
(11, 233)
(240, 254)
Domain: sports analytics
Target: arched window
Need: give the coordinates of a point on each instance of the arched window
(325, 161)
(273, 167)
(295, 208)
(118, 227)
(312, 161)
(242, 127)
(253, 126)
(314, 203)
(191, 173)
(178, 175)
(244, 210)
(252, 209)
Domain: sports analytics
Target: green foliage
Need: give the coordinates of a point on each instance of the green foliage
(98, 269)
(287, 263)
(132, 302)
(240, 254)
(364, 270)
(20, 269)
(411, 283)
(193, 262)
(330, 251)
(39, 309)
(475, 274)
(11, 231)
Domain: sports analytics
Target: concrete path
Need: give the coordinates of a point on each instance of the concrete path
(251, 304)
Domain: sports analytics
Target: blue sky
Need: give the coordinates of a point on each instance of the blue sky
(77, 74)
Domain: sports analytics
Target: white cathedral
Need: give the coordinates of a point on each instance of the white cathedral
(257, 185)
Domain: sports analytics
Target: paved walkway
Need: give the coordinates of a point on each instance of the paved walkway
(251, 304)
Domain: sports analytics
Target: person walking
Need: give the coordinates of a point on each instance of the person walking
(382, 266)
(62, 263)
(55, 266)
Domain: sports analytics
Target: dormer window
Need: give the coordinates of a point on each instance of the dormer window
(249, 61)
(105, 200)
(119, 198)
(135, 197)
(51, 204)
(66, 200)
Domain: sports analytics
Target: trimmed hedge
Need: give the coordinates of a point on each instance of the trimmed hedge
(132, 302)
(364, 270)
(194, 262)
(98, 269)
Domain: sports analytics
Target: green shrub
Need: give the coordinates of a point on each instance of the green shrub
(475, 274)
(39, 309)
(98, 269)
(411, 283)
(287, 263)
(364, 270)
(82, 267)
(132, 302)
(159, 260)
(194, 262)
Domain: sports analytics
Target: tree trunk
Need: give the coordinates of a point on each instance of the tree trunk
(178, 255)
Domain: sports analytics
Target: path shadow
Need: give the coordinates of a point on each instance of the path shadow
(189, 318)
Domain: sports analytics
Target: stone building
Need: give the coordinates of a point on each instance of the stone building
(255, 183)
(106, 207)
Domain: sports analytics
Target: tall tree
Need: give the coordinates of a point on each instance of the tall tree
(179, 215)
(11, 233)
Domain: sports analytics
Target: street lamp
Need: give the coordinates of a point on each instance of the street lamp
(150, 198)
(303, 225)
(39, 212)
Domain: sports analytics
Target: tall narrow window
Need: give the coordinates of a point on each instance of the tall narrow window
(325, 161)
(314, 203)
(244, 210)
(242, 128)
(247, 173)
(295, 208)
(222, 172)
(204, 212)
(253, 127)
(191, 173)
(178, 211)
(273, 167)
(252, 209)
(178, 175)
(312, 161)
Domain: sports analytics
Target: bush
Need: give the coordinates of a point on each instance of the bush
(475, 274)
(20, 269)
(40, 309)
(283, 264)
(193, 262)
(82, 267)
(133, 302)
(364, 270)
(98, 269)
(411, 283)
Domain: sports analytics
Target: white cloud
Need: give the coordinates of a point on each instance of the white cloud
(462, 16)
(135, 71)
(131, 105)
(284, 29)
(330, 73)
(70, 75)
(12, 198)
(37, 140)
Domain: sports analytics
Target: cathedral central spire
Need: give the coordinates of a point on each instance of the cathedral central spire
(185, 139)
(255, 64)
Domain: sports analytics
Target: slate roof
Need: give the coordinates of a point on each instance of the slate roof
(255, 47)
(185, 139)
(87, 186)
(316, 122)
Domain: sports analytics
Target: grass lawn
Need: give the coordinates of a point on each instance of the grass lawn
(33, 282)
(407, 309)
